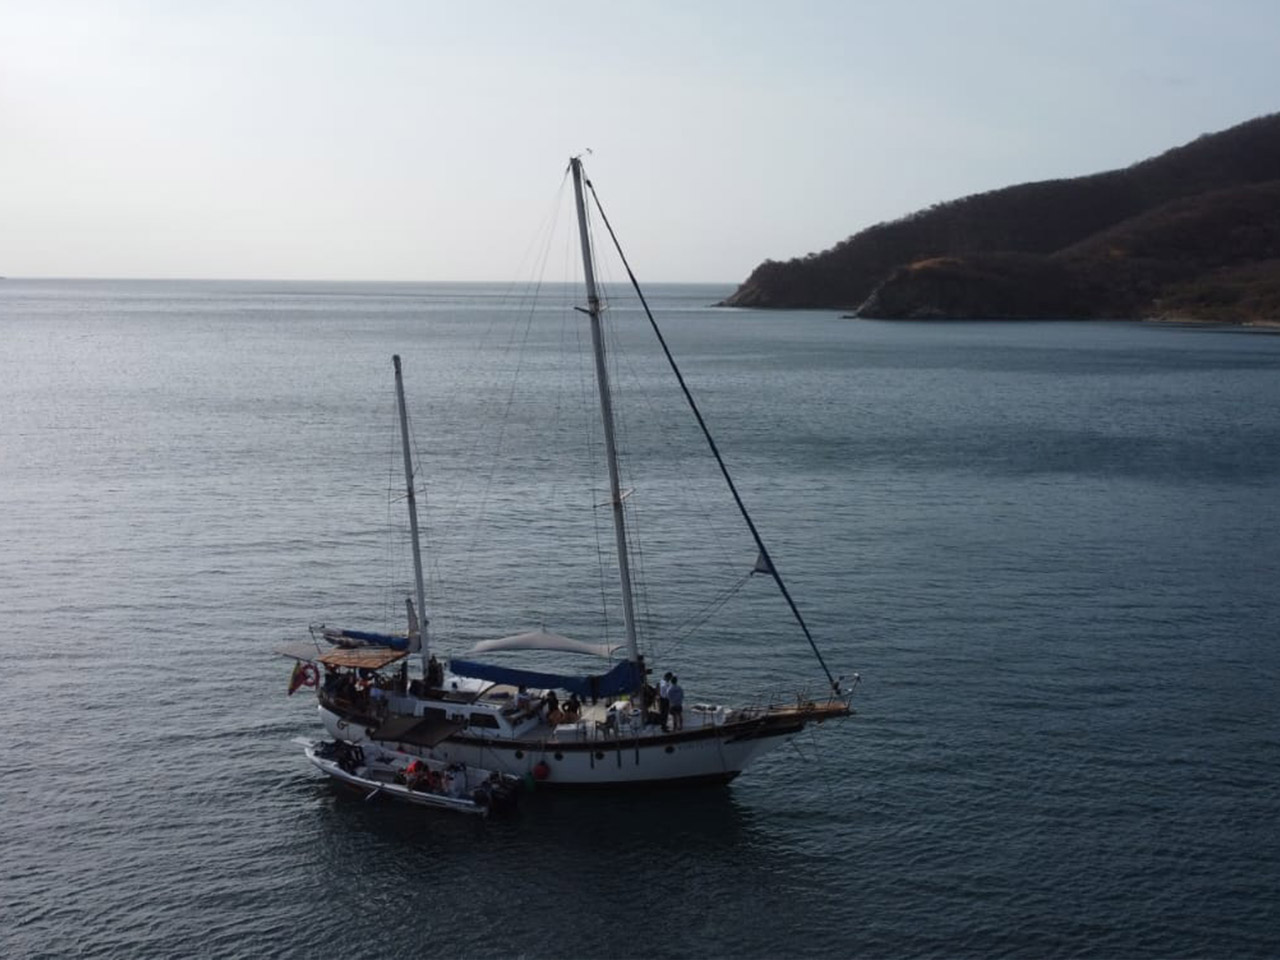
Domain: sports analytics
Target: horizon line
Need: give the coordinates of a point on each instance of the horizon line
(190, 279)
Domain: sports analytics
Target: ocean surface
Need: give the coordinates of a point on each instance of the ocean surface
(1050, 550)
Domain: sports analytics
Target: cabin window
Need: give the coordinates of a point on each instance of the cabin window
(484, 720)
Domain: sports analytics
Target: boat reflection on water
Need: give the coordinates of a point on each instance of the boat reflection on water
(573, 824)
(620, 873)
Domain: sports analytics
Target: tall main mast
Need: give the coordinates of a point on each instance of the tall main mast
(413, 513)
(606, 413)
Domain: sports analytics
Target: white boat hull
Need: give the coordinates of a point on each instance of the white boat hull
(711, 754)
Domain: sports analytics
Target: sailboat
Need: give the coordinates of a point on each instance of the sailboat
(596, 728)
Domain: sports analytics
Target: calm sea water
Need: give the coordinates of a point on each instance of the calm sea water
(1050, 550)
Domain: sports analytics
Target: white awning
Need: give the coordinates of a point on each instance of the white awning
(542, 640)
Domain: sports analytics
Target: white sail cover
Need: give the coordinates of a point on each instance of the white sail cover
(542, 640)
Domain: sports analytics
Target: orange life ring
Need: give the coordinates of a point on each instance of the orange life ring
(304, 675)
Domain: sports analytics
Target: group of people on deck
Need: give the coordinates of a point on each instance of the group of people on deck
(364, 689)
(669, 695)
(556, 712)
(663, 705)
(567, 712)
(368, 690)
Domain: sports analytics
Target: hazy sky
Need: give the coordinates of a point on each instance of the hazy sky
(425, 140)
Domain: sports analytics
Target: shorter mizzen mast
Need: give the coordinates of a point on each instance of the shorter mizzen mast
(606, 413)
(419, 592)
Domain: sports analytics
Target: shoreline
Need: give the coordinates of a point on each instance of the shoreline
(1199, 322)
(1258, 324)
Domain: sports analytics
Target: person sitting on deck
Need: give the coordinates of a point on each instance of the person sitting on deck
(648, 694)
(346, 686)
(572, 709)
(554, 713)
(417, 776)
(435, 674)
(377, 699)
(648, 697)
(523, 701)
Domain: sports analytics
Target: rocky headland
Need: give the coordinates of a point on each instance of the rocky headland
(1192, 234)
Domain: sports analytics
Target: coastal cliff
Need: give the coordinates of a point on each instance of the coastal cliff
(1191, 234)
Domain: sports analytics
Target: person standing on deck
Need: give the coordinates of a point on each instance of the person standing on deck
(664, 699)
(675, 699)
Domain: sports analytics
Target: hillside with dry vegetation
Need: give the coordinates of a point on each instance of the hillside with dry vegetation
(1191, 234)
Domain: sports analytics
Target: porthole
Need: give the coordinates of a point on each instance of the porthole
(599, 754)
(519, 754)
(670, 748)
(559, 755)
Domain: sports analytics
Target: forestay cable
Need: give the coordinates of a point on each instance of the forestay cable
(768, 564)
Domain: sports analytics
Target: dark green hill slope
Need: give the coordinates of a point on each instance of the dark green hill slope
(1171, 234)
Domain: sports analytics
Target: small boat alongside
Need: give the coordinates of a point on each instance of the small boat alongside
(379, 771)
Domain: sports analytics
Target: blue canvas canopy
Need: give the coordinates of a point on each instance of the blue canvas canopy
(624, 678)
(355, 637)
